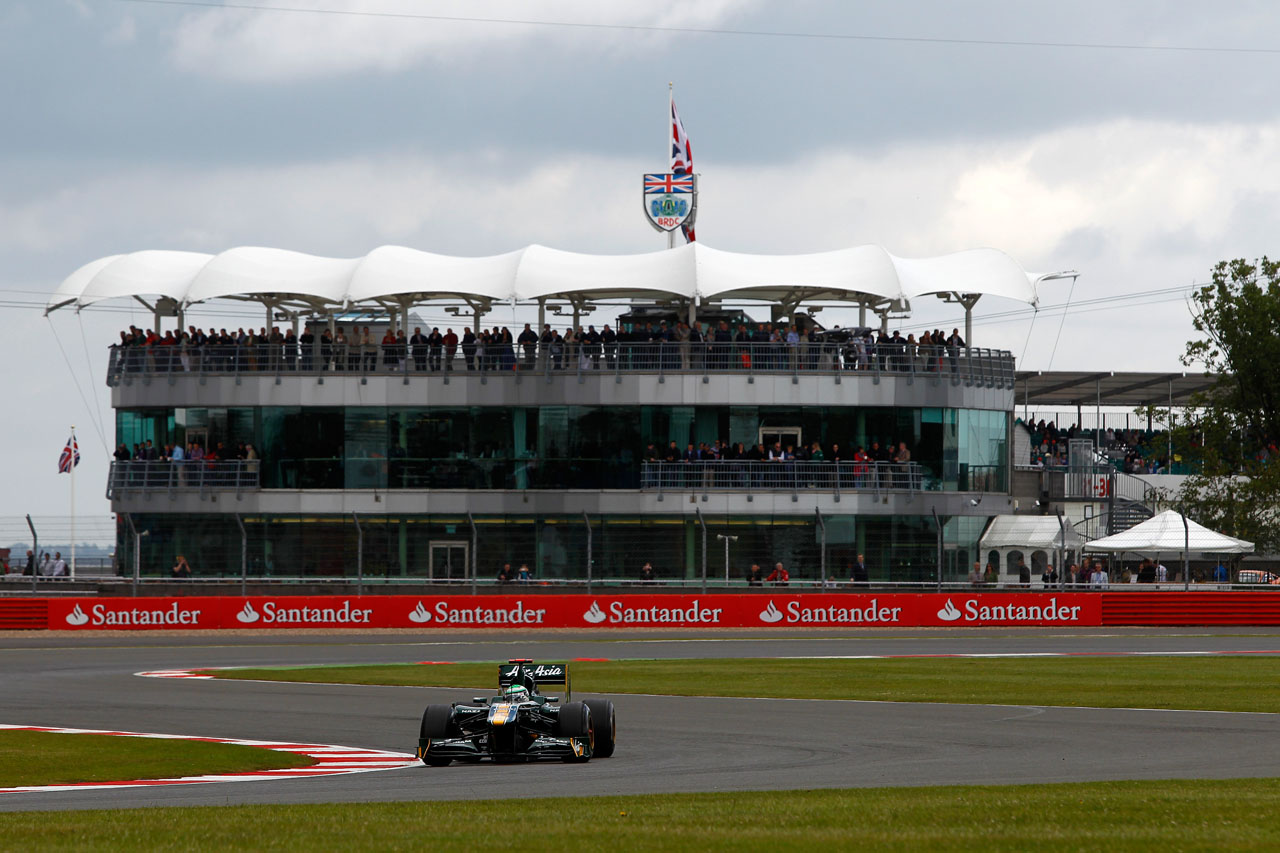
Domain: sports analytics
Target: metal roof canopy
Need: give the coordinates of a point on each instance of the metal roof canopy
(1038, 389)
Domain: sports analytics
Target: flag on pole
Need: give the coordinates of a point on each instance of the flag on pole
(70, 456)
(681, 156)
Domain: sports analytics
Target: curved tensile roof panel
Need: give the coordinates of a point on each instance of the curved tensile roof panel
(691, 272)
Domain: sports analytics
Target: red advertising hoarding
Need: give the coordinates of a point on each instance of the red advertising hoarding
(718, 610)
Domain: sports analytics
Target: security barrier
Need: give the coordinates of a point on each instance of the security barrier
(770, 608)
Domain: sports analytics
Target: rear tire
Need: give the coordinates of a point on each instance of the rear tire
(575, 721)
(606, 728)
(437, 724)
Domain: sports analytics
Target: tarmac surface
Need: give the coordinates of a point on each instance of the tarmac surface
(665, 743)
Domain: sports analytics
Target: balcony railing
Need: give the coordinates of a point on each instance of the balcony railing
(191, 475)
(957, 365)
(786, 476)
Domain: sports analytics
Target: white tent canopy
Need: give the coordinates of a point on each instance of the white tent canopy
(1166, 533)
(1029, 532)
(690, 273)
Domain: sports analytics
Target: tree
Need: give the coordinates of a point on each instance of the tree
(1232, 436)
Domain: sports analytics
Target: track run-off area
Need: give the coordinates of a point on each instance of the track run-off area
(665, 743)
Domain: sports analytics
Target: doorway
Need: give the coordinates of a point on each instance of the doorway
(781, 435)
(448, 559)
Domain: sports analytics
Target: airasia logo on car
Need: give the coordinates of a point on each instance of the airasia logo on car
(101, 615)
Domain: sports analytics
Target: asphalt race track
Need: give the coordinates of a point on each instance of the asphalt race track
(664, 743)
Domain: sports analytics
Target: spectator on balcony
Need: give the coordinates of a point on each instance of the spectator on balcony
(646, 573)
(1162, 573)
(59, 567)
(418, 342)
(528, 342)
(779, 576)
(524, 575)
(954, 345)
(435, 348)
(307, 342)
(755, 577)
(181, 570)
(469, 344)
(975, 575)
(990, 577)
(251, 462)
(506, 574)
(290, 351)
(341, 348)
(326, 350)
(450, 341)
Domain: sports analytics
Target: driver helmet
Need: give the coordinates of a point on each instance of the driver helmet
(515, 692)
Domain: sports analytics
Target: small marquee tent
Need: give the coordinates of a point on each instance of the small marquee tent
(1034, 537)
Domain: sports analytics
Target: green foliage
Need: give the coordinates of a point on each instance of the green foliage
(1231, 439)
(1218, 683)
(1220, 814)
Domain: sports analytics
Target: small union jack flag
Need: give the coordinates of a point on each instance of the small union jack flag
(681, 157)
(668, 183)
(70, 456)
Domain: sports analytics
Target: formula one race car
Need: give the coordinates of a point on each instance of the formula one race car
(519, 724)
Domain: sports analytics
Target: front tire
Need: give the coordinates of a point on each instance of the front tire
(437, 724)
(575, 722)
(606, 728)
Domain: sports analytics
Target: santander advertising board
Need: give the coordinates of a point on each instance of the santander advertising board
(766, 610)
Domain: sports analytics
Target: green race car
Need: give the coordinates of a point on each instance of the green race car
(519, 724)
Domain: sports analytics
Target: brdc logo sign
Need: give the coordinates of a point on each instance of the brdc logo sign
(670, 200)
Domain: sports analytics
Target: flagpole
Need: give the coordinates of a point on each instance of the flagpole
(671, 102)
(75, 447)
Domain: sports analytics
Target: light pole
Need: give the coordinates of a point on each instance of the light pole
(726, 539)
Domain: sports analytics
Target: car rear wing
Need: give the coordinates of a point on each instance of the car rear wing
(543, 673)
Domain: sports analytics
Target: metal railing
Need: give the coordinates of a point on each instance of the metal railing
(785, 476)
(185, 476)
(957, 365)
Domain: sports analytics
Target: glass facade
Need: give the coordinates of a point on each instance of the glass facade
(554, 447)
(897, 548)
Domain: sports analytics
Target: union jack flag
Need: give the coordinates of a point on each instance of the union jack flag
(681, 156)
(668, 183)
(70, 456)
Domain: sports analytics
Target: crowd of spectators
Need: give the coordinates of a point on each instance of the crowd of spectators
(1132, 451)
(180, 463)
(680, 346)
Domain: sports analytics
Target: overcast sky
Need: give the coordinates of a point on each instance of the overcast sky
(139, 125)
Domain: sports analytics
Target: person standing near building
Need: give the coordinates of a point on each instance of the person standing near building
(59, 567)
(779, 576)
(859, 572)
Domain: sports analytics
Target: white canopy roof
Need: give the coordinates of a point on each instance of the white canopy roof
(691, 272)
(1029, 531)
(1165, 532)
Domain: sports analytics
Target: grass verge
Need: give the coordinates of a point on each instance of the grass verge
(1210, 683)
(51, 758)
(1114, 816)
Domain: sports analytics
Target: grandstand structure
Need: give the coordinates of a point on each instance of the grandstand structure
(574, 458)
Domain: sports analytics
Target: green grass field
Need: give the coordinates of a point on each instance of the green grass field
(48, 758)
(1111, 816)
(1220, 683)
